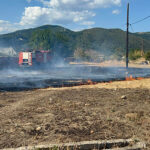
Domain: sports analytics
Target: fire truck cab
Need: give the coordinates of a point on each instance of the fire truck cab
(25, 59)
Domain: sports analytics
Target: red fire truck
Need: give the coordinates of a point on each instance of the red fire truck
(25, 59)
(42, 57)
(34, 58)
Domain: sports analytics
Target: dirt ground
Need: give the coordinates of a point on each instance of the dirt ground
(114, 110)
(112, 63)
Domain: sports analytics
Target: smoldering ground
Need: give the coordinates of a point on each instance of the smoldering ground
(28, 78)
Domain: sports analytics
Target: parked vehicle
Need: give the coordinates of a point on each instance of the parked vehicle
(34, 58)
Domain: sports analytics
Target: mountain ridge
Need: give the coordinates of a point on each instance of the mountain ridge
(65, 41)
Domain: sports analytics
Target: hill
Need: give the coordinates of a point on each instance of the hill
(63, 41)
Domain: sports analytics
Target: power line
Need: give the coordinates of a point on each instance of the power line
(140, 20)
(131, 27)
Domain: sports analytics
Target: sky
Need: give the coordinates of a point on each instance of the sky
(73, 14)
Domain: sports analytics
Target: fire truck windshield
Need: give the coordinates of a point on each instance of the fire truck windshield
(25, 60)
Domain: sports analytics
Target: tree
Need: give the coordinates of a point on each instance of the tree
(80, 54)
(147, 56)
(41, 39)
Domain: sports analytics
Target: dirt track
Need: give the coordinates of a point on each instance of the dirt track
(76, 114)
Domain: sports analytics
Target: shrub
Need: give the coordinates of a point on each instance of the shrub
(87, 55)
(136, 54)
(147, 56)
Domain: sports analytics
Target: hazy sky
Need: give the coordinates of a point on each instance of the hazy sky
(73, 14)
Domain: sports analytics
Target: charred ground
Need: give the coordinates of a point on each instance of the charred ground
(68, 75)
(75, 114)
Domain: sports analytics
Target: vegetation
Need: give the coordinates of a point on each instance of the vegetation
(135, 54)
(118, 54)
(87, 55)
(41, 39)
(147, 56)
(81, 55)
(67, 43)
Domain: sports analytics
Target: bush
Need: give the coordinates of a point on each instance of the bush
(136, 54)
(79, 54)
(87, 55)
(147, 56)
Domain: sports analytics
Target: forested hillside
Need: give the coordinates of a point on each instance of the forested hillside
(64, 41)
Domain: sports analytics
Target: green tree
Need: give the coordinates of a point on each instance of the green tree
(80, 54)
(41, 39)
(147, 56)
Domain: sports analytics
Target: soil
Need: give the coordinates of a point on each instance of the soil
(111, 63)
(117, 110)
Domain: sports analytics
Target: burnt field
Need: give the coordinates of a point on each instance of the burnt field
(89, 112)
(101, 111)
(71, 75)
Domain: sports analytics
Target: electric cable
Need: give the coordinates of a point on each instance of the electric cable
(141, 20)
(132, 28)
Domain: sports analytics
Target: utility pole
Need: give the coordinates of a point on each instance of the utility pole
(142, 49)
(127, 38)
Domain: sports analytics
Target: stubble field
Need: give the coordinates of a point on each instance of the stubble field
(116, 110)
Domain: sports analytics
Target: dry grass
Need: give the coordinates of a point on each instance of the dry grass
(90, 112)
(113, 63)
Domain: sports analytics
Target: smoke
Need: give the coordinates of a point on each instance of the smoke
(7, 51)
(21, 79)
(59, 72)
